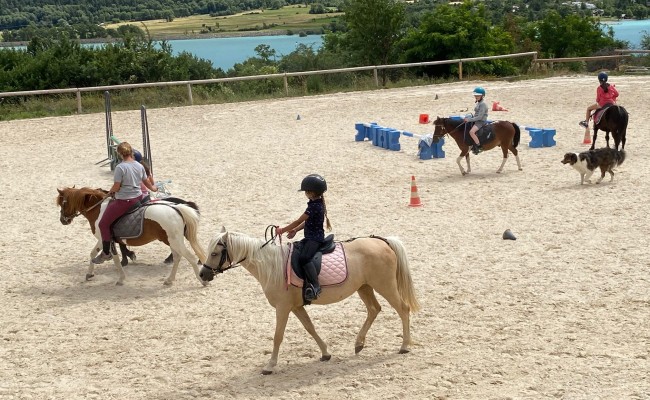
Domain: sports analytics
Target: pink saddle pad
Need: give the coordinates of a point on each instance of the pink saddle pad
(333, 271)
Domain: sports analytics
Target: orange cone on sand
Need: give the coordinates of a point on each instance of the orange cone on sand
(497, 107)
(587, 139)
(415, 198)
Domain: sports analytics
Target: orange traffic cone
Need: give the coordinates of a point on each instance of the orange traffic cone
(497, 107)
(415, 198)
(587, 139)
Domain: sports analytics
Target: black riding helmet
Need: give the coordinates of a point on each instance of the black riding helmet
(313, 183)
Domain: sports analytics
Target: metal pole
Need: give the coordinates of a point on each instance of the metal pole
(146, 146)
(109, 121)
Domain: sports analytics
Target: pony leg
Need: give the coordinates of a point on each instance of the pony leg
(172, 274)
(504, 150)
(593, 142)
(178, 249)
(91, 267)
(281, 318)
(367, 295)
(303, 317)
(607, 138)
(462, 170)
(391, 294)
(469, 166)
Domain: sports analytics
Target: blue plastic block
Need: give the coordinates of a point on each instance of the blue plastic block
(382, 139)
(548, 140)
(362, 133)
(393, 140)
(536, 137)
(374, 134)
(427, 152)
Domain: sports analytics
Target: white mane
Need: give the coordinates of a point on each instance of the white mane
(268, 261)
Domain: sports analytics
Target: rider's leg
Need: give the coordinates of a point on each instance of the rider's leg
(309, 249)
(585, 123)
(472, 133)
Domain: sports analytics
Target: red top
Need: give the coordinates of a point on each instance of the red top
(608, 97)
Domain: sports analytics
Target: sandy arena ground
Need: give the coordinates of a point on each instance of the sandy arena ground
(563, 312)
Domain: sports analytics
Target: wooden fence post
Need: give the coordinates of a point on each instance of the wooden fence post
(460, 70)
(189, 93)
(79, 101)
(286, 84)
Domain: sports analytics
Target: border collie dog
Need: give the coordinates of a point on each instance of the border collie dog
(587, 162)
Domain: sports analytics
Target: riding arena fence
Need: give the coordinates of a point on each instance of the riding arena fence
(535, 63)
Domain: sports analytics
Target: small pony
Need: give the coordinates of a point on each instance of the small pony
(169, 223)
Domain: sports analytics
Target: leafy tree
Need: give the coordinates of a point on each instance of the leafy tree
(579, 36)
(451, 32)
(374, 27)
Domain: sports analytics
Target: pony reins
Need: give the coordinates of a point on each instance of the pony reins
(78, 213)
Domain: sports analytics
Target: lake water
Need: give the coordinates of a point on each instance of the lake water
(226, 52)
(630, 30)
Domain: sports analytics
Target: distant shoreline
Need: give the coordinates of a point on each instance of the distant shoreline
(178, 37)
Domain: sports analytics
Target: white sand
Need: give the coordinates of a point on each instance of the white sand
(562, 312)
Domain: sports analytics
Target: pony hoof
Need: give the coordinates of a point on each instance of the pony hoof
(132, 256)
(205, 283)
(118, 283)
(357, 349)
(265, 372)
(326, 358)
(403, 351)
(89, 276)
(167, 283)
(124, 262)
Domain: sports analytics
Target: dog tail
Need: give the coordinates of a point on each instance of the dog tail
(619, 157)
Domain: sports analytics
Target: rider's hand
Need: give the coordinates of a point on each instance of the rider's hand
(291, 234)
(278, 231)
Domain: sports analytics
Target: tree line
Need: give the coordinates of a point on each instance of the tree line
(372, 32)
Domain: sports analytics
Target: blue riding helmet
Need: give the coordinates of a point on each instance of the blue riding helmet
(137, 155)
(602, 77)
(479, 91)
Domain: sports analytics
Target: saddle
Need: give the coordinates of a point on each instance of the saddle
(598, 114)
(131, 224)
(326, 247)
(484, 134)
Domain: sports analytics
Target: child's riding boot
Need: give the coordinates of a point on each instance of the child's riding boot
(311, 293)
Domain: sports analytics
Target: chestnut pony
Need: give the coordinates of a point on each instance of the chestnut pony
(505, 134)
(167, 222)
(374, 264)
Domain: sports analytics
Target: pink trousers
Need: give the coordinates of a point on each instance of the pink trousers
(115, 209)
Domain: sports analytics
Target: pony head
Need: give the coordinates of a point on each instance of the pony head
(218, 257)
(75, 201)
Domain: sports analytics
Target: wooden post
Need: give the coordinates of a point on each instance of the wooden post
(189, 94)
(460, 70)
(79, 101)
(374, 71)
(286, 85)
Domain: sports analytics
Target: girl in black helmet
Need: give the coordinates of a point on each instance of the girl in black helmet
(312, 222)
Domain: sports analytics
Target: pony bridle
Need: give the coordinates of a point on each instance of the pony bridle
(69, 219)
(225, 258)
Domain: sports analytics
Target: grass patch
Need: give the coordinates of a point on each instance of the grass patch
(293, 18)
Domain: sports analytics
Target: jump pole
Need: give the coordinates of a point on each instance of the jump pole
(146, 146)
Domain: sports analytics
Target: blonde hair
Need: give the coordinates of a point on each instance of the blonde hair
(124, 149)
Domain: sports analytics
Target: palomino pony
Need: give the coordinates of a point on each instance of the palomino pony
(505, 134)
(168, 222)
(373, 264)
(614, 119)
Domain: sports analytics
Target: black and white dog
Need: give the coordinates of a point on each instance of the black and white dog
(587, 162)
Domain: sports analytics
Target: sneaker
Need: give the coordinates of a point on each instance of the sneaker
(583, 124)
(101, 257)
(476, 149)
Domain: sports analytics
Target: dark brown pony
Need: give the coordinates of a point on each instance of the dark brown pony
(167, 222)
(505, 134)
(614, 119)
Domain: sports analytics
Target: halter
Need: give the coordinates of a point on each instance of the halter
(69, 219)
(444, 130)
(225, 256)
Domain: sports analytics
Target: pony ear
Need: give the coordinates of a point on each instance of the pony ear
(223, 229)
(59, 190)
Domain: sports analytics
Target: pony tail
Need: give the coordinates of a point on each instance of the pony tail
(327, 220)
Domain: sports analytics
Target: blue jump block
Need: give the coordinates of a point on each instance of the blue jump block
(363, 131)
(536, 137)
(427, 152)
(548, 140)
